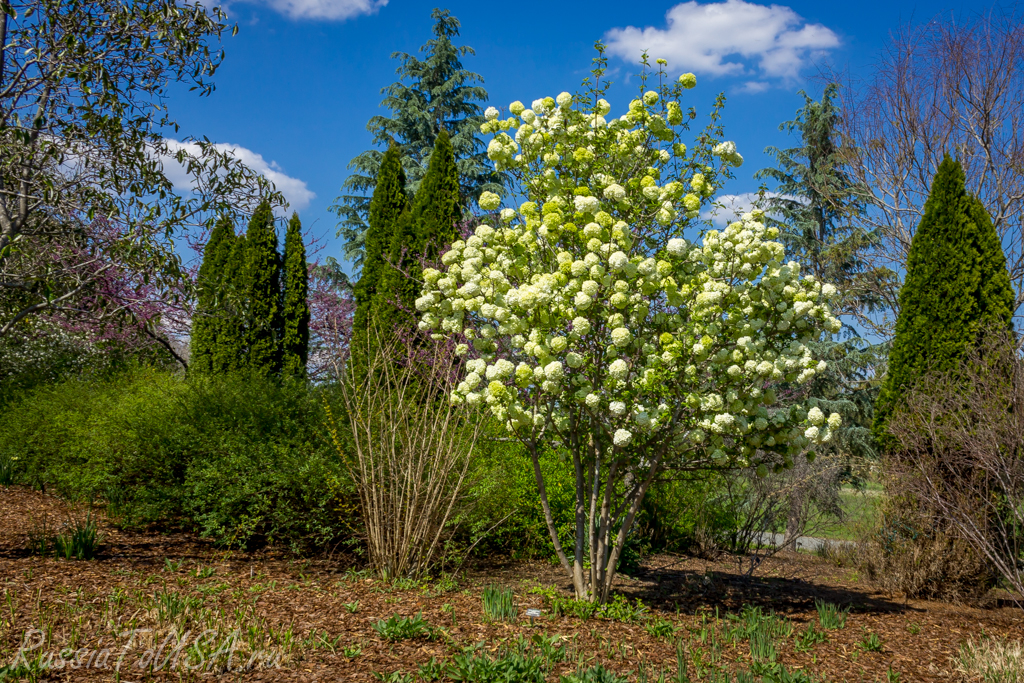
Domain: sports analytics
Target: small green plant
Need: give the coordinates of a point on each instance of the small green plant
(830, 616)
(205, 572)
(6, 470)
(808, 638)
(404, 628)
(661, 628)
(173, 565)
(431, 671)
(473, 666)
(892, 676)
(352, 651)
(621, 609)
(871, 642)
(500, 603)
(393, 677)
(77, 540)
(446, 583)
(595, 674)
(914, 628)
(352, 607)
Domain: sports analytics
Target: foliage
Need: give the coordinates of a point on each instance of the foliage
(420, 236)
(79, 539)
(388, 207)
(88, 211)
(239, 458)
(991, 660)
(809, 637)
(261, 278)
(212, 321)
(595, 673)
(830, 616)
(295, 308)
(434, 95)
(397, 628)
(591, 336)
(499, 603)
(956, 286)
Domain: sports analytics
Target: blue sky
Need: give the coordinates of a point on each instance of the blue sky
(302, 77)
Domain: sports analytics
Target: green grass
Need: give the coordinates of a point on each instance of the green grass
(500, 603)
(861, 508)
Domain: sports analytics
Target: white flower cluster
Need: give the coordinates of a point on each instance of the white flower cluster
(575, 324)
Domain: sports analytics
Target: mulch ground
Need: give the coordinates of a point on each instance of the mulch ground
(308, 606)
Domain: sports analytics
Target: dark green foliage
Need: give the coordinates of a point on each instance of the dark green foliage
(262, 286)
(295, 335)
(397, 628)
(209, 318)
(421, 235)
(229, 351)
(388, 210)
(77, 540)
(239, 458)
(956, 286)
(433, 95)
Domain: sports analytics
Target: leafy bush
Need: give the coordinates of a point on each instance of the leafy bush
(241, 459)
(79, 539)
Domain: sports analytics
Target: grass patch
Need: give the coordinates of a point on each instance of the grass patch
(991, 660)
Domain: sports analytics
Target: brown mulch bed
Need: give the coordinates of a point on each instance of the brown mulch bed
(82, 605)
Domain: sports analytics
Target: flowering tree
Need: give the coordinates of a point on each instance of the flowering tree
(592, 325)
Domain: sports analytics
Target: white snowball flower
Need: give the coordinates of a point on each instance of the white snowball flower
(491, 113)
(592, 400)
(615, 192)
(564, 100)
(621, 437)
(815, 416)
(677, 247)
(834, 420)
(618, 260)
(580, 325)
(573, 359)
(554, 371)
(617, 408)
(489, 201)
(688, 81)
(603, 107)
(621, 337)
(618, 369)
(811, 433)
(508, 214)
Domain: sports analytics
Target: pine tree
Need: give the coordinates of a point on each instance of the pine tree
(262, 280)
(956, 287)
(209, 315)
(421, 234)
(816, 206)
(433, 94)
(295, 335)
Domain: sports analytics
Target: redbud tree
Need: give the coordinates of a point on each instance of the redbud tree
(592, 326)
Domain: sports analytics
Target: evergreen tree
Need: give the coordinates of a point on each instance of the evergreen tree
(433, 94)
(956, 286)
(421, 235)
(295, 334)
(230, 351)
(209, 314)
(262, 287)
(815, 206)
(387, 208)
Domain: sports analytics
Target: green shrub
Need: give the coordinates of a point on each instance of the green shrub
(397, 628)
(78, 540)
(241, 459)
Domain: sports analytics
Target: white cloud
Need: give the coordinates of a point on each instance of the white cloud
(733, 206)
(336, 10)
(732, 38)
(293, 189)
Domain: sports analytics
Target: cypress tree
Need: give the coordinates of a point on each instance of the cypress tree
(956, 287)
(295, 335)
(262, 278)
(421, 234)
(210, 314)
(229, 352)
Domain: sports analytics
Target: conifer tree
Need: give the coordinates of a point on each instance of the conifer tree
(295, 335)
(433, 94)
(209, 314)
(816, 206)
(230, 350)
(387, 207)
(956, 287)
(421, 234)
(262, 299)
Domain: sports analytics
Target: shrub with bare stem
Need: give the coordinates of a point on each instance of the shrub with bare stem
(961, 442)
(407, 449)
